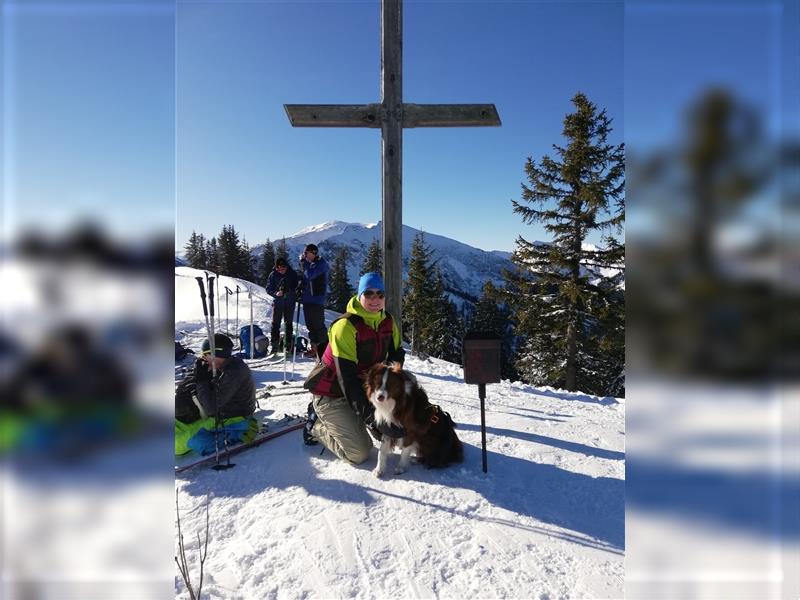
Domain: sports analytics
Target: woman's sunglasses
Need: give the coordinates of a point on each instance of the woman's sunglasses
(371, 293)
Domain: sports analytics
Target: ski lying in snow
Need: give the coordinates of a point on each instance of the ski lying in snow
(278, 393)
(260, 439)
(286, 386)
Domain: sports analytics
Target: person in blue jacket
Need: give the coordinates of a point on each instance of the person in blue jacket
(313, 288)
(281, 285)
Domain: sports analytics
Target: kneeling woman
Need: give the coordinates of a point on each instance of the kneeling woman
(364, 336)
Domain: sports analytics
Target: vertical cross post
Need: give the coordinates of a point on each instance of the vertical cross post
(392, 153)
(392, 115)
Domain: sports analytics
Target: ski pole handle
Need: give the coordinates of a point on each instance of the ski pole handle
(211, 295)
(202, 294)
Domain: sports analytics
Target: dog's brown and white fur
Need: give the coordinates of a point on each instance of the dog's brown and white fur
(398, 399)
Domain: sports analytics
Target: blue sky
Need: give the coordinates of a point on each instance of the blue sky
(239, 161)
(88, 115)
(154, 114)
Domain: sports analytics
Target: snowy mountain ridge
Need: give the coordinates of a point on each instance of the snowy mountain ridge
(465, 268)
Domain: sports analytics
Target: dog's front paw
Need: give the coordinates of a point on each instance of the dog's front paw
(377, 471)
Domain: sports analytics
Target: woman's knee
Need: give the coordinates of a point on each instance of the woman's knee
(359, 454)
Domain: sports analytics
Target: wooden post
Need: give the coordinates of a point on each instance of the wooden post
(392, 153)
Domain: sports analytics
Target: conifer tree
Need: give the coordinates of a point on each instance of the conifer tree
(267, 262)
(418, 301)
(340, 290)
(202, 256)
(281, 251)
(192, 250)
(373, 261)
(212, 255)
(245, 263)
(442, 335)
(489, 316)
(559, 303)
(228, 251)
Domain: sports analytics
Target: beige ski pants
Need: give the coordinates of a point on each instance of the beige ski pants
(340, 429)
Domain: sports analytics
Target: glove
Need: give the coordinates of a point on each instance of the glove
(202, 374)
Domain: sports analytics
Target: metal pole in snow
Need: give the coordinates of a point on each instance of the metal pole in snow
(482, 395)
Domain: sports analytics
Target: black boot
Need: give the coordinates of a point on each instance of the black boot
(309, 439)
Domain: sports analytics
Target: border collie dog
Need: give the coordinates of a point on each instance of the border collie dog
(398, 399)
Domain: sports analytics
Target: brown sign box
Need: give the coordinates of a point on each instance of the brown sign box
(481, 354)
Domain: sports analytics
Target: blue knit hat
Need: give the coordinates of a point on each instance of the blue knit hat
(370, 281)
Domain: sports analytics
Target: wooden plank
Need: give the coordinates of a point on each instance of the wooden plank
(392, 153)
(334, 115)
(450, 115)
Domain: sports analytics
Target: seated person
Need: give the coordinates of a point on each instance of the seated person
(205, 403)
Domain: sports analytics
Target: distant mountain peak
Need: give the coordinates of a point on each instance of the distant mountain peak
(465, 269)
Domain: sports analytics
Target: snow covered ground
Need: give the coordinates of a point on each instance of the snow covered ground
(290, 521)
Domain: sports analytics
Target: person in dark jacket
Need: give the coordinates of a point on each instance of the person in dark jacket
(224, 395)
(314, 290)
(340, 413)
(235, 393)
(281, 286)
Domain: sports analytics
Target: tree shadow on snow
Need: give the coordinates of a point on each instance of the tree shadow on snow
(496, 408)
(592, 509)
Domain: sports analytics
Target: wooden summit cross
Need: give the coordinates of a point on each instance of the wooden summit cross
(392, 115)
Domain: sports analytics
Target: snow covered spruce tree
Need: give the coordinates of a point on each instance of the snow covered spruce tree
(567, 307)
(267, 262)
(340, 290)
(373, 261)
(419, 296)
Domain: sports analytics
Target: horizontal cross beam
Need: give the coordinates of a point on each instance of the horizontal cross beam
(334, 115)
(450, 115)
(372, 115)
